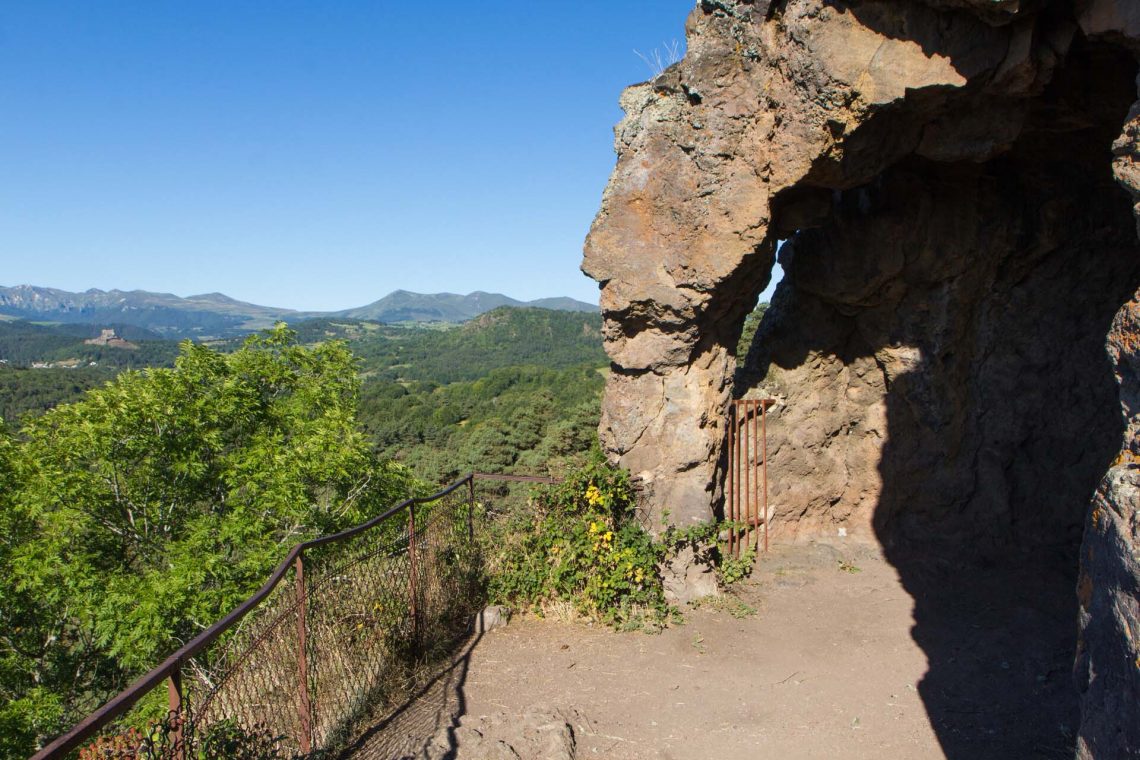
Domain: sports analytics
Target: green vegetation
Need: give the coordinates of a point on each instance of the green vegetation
(515, 390)
(134, 518)
(75, 367)
(34, 391)
(505, 337)
(580, 543)
(519, 419)
(137, 507)
(24, 343)
(751, 323)
(733, 569)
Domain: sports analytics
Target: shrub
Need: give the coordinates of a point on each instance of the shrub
(580, 542)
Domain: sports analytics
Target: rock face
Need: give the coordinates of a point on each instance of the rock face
(939, 355)
(777, 110)
(1107, 671)
(1108, 664)
(953, 180)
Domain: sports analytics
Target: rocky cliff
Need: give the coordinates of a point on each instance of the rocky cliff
(953, 181)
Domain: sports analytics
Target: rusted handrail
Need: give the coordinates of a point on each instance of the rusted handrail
(171, 668)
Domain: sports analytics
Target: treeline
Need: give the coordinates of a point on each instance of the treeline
(443, 354)
(34, 391)
(527, 419)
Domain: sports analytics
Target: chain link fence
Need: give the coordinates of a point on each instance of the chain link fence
(347, 625)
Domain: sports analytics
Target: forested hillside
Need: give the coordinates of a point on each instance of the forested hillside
(439, 353)
(42, 366)
(442, 354)
(509, 384)
(25, 343)
(522, 418)
(33, 391)
(513, 389)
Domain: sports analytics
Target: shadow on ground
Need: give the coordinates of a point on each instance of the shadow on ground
(430, 716)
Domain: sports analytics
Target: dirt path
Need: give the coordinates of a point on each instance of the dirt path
(826, 667)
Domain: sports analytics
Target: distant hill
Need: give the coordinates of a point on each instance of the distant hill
(164, 313)
(217, 315)
(405, 306)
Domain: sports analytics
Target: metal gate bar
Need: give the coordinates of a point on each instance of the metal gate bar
(746, 492)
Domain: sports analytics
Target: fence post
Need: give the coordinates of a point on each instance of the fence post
(174, 697)
(304, 705)
(412, 571)
(471, 509)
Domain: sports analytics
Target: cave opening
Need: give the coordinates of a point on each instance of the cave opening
(965, 304)
(937, 350)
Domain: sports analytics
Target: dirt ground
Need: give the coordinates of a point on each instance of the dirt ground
(815, 656)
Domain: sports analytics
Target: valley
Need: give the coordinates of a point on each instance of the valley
(510, 386)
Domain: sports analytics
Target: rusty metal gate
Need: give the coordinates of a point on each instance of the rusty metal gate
(746, 487)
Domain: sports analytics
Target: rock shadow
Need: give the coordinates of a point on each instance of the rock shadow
(964, 307)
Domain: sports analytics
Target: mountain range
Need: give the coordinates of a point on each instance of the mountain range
(218, 315)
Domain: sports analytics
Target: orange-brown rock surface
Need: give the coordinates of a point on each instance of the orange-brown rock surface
(953, 180)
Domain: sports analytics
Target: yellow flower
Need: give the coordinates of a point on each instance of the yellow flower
(593, 496)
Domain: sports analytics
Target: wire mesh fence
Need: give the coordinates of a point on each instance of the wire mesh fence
(346, 624)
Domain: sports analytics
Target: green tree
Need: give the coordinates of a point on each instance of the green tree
(27, 707)
(147, 510)
(748, 333)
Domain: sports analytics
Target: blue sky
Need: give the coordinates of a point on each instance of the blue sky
(313, 155)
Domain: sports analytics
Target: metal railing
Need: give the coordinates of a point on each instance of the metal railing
(339, 627)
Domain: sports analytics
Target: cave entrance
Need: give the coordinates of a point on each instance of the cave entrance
(936, 346)
(937, 354)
